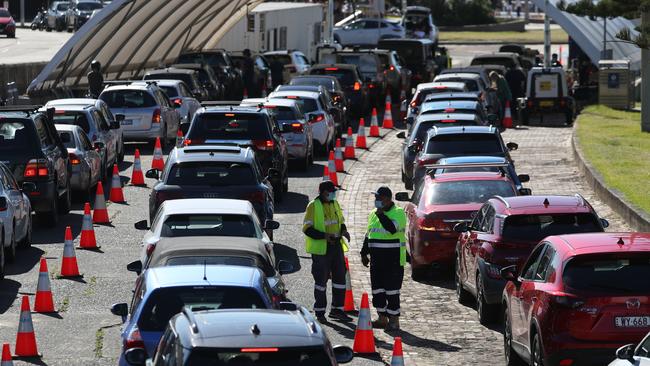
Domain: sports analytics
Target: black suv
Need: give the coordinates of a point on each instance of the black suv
(32, 150)
(208, 78)
(419, 55)
(220, 61)
(246, 337)
(245, 126)
(372, 70)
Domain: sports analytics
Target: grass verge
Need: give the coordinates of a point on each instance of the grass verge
(532, 36)
(613, 143)
(99, 342)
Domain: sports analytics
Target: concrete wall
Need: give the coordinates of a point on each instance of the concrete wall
(22, 74)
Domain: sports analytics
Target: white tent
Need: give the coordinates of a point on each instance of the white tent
(129, 36)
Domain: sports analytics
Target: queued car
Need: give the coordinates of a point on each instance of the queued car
(425, 90)
(147, 112)
(213, 171)
(438, 203)
(632, 354)
(418, 55)
(189, 76)
(398, 77)
(474, 82)
(577, 299)
(457, 106)
(460, 141)
(85, 160)
(367, 32)
(162, 292)
(504, 232)
(354, 88)
(481, 71)
(547, 98)
(15, 216)
(56, 15)
(245, 126)
(295, 62)
(371, 67)
(262, 82)
(247, 337)
(34, 153)
(325, 99)
(207, 77)
(418, 23)
(80, 11)
(487, 164)
(440, 97)
(221, 63)
(181, 97)
(330, 83)
(7, 23)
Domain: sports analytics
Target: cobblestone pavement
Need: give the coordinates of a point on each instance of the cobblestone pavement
(436, 329)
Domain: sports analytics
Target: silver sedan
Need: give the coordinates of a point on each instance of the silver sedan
(84, 158)
(15, 216)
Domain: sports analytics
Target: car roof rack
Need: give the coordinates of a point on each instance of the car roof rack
(187, 312)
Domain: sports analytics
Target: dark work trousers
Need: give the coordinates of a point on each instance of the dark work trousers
(386, 276)
(322, 266)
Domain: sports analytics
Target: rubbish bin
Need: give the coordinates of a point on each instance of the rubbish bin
(615, 84)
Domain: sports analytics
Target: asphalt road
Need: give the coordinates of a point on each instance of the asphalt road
(31, 46)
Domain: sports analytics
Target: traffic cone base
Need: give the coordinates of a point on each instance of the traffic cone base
(364, 338)
(26, 339)
(69, 266)
(87, 240)
(100, 213)
(137, 178)
(6, 355)
(116, 194)
(43, 303)
(157, 162)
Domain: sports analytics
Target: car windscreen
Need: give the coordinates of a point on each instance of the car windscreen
(536, 227)
(72, 118)
(229, 126)
(67, 137)
(468, 191)
(611, 273)
(470, 84)
(307, 105)
(14, 135)
(282, 113)
(283, 59)
(465, 144)
(312, 356)
(209, 225)
(89, 6)
(169, 90)
(345, 77)
(423, 127)
(325, 83)
(366, 63)
(503, 61)
(128, 99)
(211, 174)
(164, 303)
(187, 78)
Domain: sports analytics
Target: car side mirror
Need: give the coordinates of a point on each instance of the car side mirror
(29, 187)
(273, 173)
(604, 223)
(120, 309)
(271, 225)
(152, 173)
(135, 266)
(285, 267)
(626, 353)
(525, 191)
(401, 135)
(402, 197)
(343, 354)
(184, 128)
(99, 145)
(523, 178)
(492, 118)
(509, 273)
(512, 146)
(135, 356)
(288, 306)
(119, 118)
(141, 225)
(461, 227)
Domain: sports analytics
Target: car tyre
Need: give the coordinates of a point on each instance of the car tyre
(486, 312)
(512, 358)
(462, 295)
(537, 356)
(10, 251)
(27, 240)
(408, 183)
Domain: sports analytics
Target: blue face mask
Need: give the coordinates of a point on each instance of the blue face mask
(331, 196)
(378, 204)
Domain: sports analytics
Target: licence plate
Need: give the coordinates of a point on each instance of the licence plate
(546, 103)
(127, 122)
(632, 321)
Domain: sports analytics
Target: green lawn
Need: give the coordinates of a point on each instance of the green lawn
(613, 143)
(534, 36)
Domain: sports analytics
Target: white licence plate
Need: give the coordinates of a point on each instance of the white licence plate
(632, 321)
(127, 122)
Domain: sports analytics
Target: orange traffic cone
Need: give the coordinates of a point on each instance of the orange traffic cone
(364, 338)
(157, 162)
(338, 157)
(137, 178)
(398, 356)
(348, 305)
(44, 303)
(87, 240)
(69, 266)
(507, 118)
(116, 194)
(331, 167)
(6, 355)
(100, 213)
(26, 339)
(388, 115)
(361, 135)
(179, 138)
(374, 126)
(326, 174)
(349, 145)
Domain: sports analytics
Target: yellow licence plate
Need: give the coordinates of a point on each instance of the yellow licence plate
(546, 103)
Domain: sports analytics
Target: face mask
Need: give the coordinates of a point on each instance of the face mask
(331, 196)
(378, 204)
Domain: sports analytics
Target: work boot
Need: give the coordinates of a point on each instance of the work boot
(381, 322)
(321, 318)
(338, 314)
(393, 323)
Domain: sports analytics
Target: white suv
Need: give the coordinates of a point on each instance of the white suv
(295, 62)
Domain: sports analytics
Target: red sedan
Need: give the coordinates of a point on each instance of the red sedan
(577, 299)
(7, 24)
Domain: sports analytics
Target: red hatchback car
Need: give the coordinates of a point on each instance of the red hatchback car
(577, 299)
(504, 232)
(7, 24)
(439, 203)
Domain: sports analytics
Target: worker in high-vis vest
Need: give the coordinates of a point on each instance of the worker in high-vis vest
(324, 229)
(385, 241)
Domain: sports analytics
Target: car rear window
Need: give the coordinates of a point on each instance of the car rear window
(345, 77)
(128, 99)
(211, 174)
(307, 105)
(366, 63)
(470, 84)
(169, 90)
(229, 126)
(73, 119)
(211, 260)
(15, 135)
(209, 225)
(327, 84)
(313, 356)
(458, 192)
(164, 303)
(536, 227)
(465, 144)
(282, 113)
(283, 59)
(613, 273)
(68, 139)
(503, 61)
(421, 132)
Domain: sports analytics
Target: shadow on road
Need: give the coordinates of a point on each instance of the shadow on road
(292, 202)
(287, 253)
(26, 259)
(8, 292)
(416, 341)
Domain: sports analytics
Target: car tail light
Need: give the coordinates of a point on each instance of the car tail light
(371, 86)
(566, 300)
(163, 196)
(133, 339)
(264, 144)
(257, 197)
(416, 100)
(440, 87)
(423, 162)
(331, 69)
(448, 120)
(74, 159)
(318, 118)
(530, 104)
(449, 110)
(566, 362)
(156, 116)
(188, 142)
(36, 168)
(257, 350)
(357, 86)
(431, 224)
(562, 102)
(391, 68)
(297, 127)
(178, 101)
